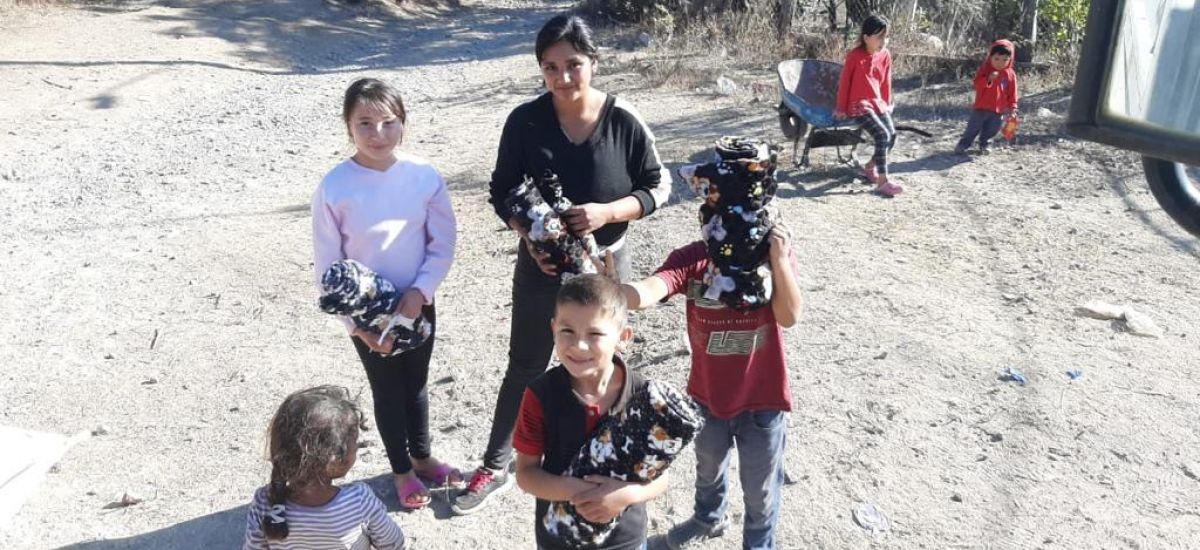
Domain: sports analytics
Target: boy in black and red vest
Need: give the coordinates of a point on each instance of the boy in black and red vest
(562, 407)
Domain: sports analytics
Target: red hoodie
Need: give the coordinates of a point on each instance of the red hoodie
(1001, 95)
(866, 83)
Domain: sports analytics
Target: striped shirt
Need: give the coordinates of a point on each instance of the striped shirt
(354, 520)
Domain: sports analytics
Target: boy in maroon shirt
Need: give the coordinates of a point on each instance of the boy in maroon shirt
(739, 377)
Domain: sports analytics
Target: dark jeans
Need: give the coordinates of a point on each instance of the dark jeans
(401, 401)
(530, 343)
(760, 438)
(984, 124)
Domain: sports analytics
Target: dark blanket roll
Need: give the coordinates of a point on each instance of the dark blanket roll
(353, 289)
(636, 444)
(537, 206)
(736, 219)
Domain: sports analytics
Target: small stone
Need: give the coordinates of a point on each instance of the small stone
(995, 437)
(726, 86)
(100, 430)
(1191, 470)
(881, 356)
(127, 499)
(1139, 324)
(1056, 206)
(108, 356)
(956, 497)
(1100, 310)
(150, 381)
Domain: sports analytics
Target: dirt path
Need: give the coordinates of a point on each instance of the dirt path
(157, 161)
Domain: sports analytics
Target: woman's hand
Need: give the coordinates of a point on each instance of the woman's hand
(411, 303)
(542, 259)
(603, 502)
(838, 115)
(371, 339)
(586, 218)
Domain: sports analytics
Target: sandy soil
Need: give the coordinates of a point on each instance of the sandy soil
(156, 162)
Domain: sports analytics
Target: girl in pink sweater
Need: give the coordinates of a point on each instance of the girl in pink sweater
(391, 212)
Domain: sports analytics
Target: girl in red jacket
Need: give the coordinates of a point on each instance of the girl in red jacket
(995, 96)
(865, 95)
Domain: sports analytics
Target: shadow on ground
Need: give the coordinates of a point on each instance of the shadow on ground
(317, 37)
(225, 529)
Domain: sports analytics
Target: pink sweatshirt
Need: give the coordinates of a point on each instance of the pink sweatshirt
(398, 222)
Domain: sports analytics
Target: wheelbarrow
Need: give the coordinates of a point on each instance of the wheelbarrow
(809, 90)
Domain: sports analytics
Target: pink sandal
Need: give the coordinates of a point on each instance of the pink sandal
(871, 173)
(443, 475)
(889, 188)
(410, 494)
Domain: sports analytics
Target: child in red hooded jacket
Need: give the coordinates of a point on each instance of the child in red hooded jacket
(995, 96)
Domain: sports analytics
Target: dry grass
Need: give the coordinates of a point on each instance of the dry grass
(745, 47)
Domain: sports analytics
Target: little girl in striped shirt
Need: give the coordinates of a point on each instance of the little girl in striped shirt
(313, 441)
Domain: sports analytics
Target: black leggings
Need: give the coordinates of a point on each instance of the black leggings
(880, 126)
(401, 401)
(530, 344)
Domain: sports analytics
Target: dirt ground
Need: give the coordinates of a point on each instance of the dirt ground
(156, 164)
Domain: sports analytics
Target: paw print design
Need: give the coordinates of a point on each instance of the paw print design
(727, 250)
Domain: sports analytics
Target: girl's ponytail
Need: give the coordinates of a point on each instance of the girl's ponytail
(274, 522)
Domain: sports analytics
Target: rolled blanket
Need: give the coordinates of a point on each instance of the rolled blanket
(637, 444)
(537, 206)
(353, 289)
(736, 219)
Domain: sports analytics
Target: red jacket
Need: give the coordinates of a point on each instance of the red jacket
(1001, 95)
(866, 83)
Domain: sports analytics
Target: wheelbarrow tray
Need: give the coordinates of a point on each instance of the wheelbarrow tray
(809, 89)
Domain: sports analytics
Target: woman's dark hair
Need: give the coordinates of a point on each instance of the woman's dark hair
(565, 28)
(373, 90)
(1000, 49)
(871, 26)
(311, 429)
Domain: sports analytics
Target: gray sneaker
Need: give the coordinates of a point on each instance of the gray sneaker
(693, 531)
(483, 484)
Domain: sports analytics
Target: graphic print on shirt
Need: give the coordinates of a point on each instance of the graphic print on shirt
(727, 342)
(736, 342)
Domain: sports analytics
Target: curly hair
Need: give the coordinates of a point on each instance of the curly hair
(313, 428)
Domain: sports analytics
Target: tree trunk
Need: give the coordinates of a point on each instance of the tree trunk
(1029, 17)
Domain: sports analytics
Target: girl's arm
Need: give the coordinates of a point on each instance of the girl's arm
(381, 529)
(327, 243)
(440, 238)
(611, 497)
(786, 300)
(843, 96)
(886, 89)
(532, 479)
(255, 538)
